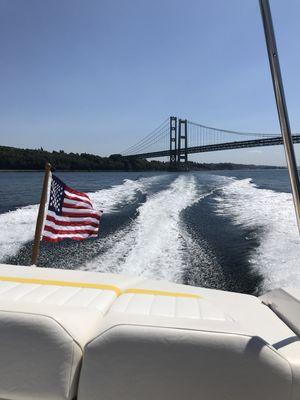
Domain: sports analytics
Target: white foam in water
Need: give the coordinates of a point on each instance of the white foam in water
(152, 246)
(277, 257)
(17, 227)
(109, 199)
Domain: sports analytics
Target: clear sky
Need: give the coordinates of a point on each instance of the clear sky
(97, 75)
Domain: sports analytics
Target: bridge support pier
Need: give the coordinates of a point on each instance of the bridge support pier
(173, 142)
(182, 158)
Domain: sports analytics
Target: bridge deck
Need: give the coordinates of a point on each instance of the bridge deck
(221, 146)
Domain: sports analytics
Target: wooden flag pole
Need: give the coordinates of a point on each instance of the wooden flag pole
(40, 218)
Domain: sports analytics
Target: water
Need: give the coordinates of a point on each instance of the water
(232, 230)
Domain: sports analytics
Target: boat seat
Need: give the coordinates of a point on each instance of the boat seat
(166, 341)
(46, 318)
(285, 302)
(67, 334)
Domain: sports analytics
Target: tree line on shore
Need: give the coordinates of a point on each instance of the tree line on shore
(12, 158)
(28, 159)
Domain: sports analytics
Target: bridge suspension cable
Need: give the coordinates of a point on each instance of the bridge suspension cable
(256, 134)
(202, 135)
(149, 140)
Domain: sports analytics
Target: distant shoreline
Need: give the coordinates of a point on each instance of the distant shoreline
(163, 170)
(14, 159)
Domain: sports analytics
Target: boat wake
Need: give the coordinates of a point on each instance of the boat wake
(112, 199)
(169, 227)
(272, 215)
(17, 227)
(153, 245)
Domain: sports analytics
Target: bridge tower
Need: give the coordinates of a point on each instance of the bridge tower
(173, 141)
(182, 142)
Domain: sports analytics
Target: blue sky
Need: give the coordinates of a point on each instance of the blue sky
(97, 75)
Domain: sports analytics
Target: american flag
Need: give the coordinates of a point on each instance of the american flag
(70, 214)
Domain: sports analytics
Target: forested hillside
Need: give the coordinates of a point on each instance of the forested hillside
(12, 158)
(27, 159)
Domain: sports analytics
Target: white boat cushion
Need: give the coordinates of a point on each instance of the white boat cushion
(163, 346)
(156, 340)
(38, 358)
(46, 318)
(285, 302)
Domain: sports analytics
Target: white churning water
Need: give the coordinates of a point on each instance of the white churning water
(17, 227)
(278, 255)
(153, 244)
(110, 199)
(156, 242)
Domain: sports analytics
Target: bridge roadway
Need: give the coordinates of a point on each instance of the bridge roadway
(221, 146)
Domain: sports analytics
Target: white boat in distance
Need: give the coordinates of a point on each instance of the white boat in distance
(68, 334)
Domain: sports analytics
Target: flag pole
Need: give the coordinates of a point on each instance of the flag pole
(40, 218)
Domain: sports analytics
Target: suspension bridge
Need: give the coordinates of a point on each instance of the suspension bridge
(175, 138)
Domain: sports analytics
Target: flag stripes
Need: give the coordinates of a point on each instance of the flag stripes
(73, 221)
(70, 214)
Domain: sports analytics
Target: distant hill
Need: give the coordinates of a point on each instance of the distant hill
(12, 158)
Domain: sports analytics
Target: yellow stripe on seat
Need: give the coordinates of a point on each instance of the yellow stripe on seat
(162, 293)
(50, 282)
(100, 286)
